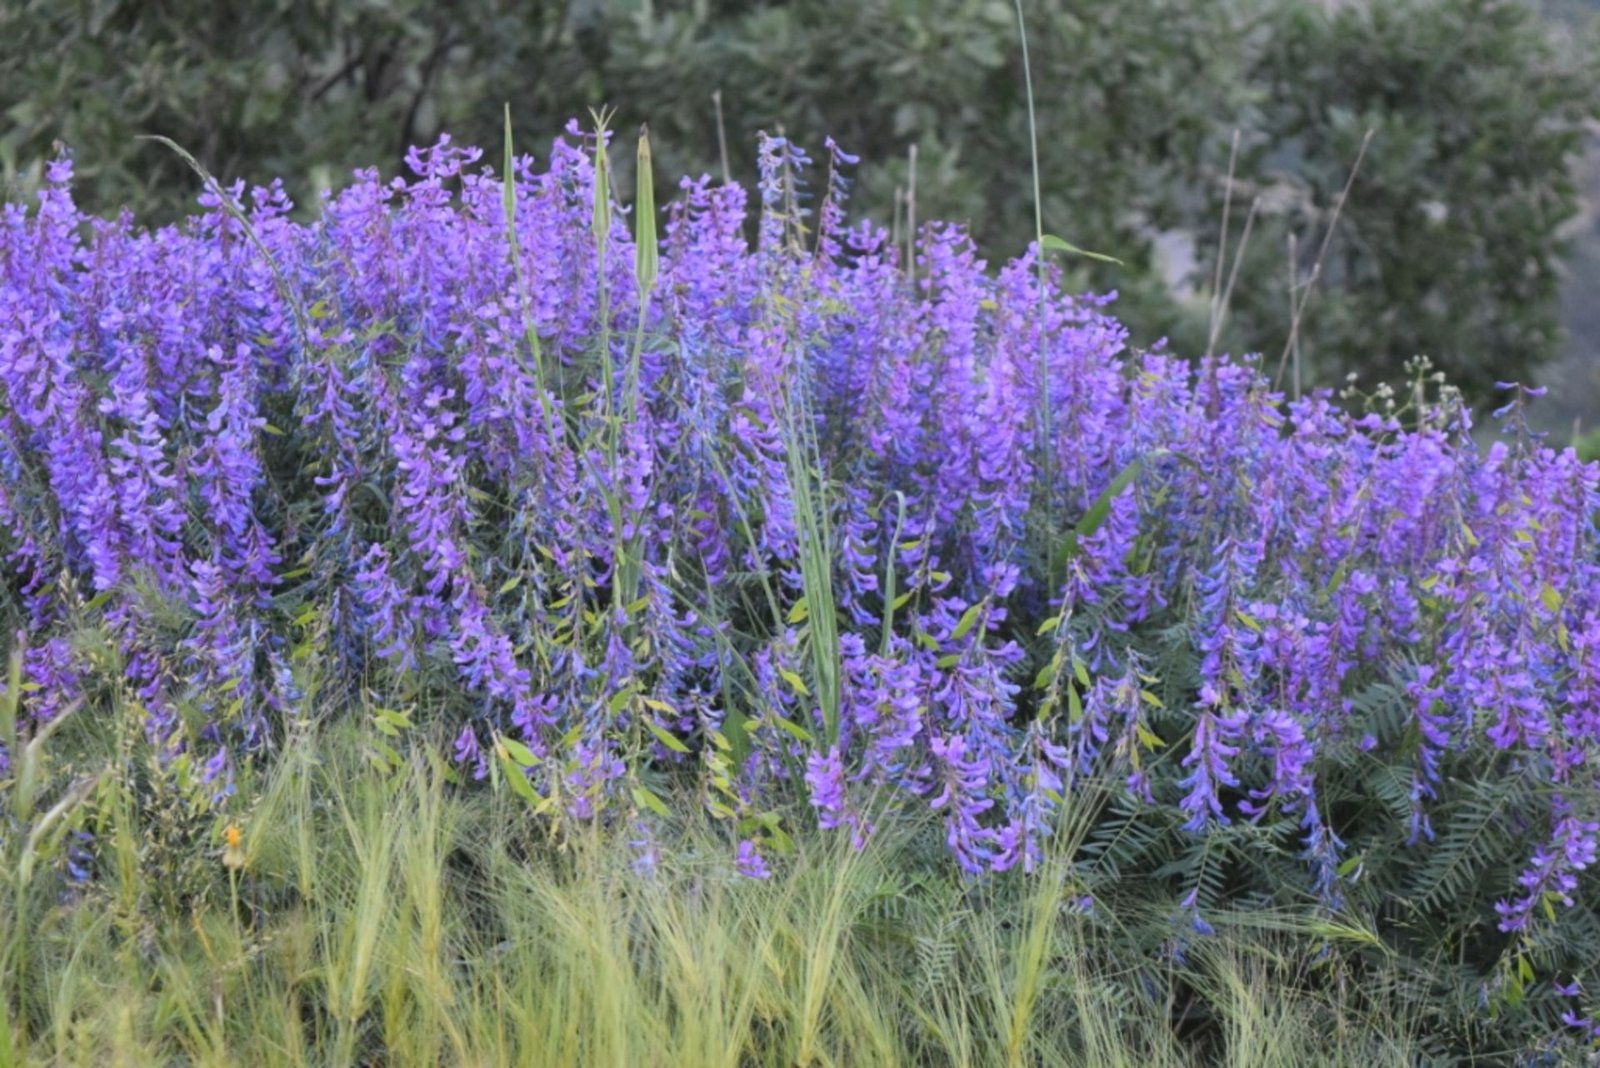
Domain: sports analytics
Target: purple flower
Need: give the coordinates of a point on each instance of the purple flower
(1208, 757)
(387, 448)
(749, 862)
(825, 779)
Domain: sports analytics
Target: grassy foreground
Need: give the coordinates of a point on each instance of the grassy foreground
(372, 912)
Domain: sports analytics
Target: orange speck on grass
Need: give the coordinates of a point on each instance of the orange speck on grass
(233, 855)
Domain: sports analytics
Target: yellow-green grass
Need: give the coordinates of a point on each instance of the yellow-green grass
(385, 915)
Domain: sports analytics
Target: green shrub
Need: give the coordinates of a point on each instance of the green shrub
(1446, 247)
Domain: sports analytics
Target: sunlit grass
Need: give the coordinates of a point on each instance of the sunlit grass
(387, 915)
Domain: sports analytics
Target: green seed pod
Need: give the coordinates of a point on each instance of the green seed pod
(601, 221)
(646, 253)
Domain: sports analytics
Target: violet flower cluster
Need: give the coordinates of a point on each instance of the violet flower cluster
(567, 514)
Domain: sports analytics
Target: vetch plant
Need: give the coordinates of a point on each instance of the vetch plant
(626, 508)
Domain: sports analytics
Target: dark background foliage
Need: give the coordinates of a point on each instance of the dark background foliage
(1450, 245)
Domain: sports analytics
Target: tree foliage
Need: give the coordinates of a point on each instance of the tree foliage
(1447, 247)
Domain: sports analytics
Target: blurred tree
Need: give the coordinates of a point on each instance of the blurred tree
(286, 88)
(1447, 245)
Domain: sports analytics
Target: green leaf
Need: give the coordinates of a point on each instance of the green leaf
(1046, 676)
(1100, 510)
(736, 728)
(390, 758)
(519, 752)
(665, 737)
(1340, 573)
(513, 775)
(1052, 243)
(793, 728)
(795, 681)
(968, 618)
(645, 798)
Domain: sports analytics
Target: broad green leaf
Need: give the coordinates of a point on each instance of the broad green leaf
(519, 752)
(518, 781)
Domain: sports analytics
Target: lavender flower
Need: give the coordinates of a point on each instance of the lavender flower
(391, 443)
(749, 862)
